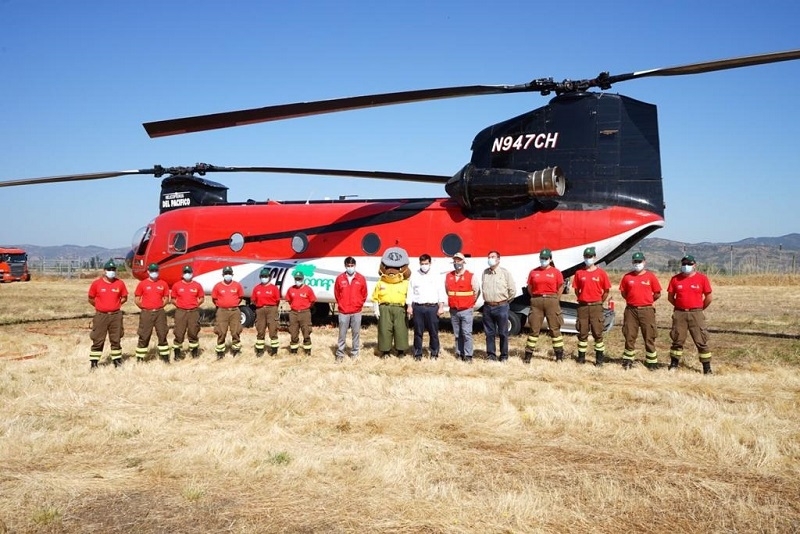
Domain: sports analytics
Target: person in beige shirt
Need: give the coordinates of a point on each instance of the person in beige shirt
(498, 289)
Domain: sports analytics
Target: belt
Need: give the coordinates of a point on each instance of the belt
(428, 304)
(589, 303)
(638, 307)
(499, 303)
(392, 304)
(152, 309)
(689, 309)
(458, 309)
(109, 313)
(547, 296)
(234, 308)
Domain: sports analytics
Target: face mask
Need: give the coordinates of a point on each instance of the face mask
(228, 277)
(544, 263)
(298, 283)
(111, 274)
(153, 276)
(187, 277)
(425, 268)
(350, 270)
(264, 280)
(638, 267)
(686, 269)
(458, 266)
(492, 262)
(588, 261)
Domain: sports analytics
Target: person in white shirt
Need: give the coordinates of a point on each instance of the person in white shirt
(426, 298)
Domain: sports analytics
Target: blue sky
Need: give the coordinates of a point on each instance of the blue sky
(79, 78)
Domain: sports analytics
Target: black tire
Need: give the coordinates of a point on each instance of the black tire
(248, 316)
(514, 323)
(320, 313)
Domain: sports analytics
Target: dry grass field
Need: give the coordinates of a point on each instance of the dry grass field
(301, 444)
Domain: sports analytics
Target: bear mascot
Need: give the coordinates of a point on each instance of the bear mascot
(389, 302)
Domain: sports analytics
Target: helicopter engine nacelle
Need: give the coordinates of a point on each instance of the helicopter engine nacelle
(474, 187)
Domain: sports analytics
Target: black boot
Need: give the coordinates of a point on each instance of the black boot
(673, 364)
(627, 364)
(559, 355)
(117, 362)
(599, 358)
(196, 352)
(385, 355)
(259, 353)
(293, 351)
(401, 354)
(581, 357)
(706, 368)
(527, 357)
(273, 351)
(92, 365)
(177, 353)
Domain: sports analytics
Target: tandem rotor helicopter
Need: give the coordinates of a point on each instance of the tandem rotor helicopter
(582, 170)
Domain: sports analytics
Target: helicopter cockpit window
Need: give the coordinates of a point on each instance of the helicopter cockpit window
(371, 243)
(451, 244)
(236, 242)
(299, 242)
(141, 239)
(177, 242)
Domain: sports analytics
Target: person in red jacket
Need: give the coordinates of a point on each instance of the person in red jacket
(107, 294)
(188, 296)
(545, 284)
(266, 297)
(350, 292)
(592, 287)
(300, 298)
(690, 292)
(463, 289)
(151, 295)
(641, 289)
(226, 296)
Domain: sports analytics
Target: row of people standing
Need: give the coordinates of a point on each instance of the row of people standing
(688, 291)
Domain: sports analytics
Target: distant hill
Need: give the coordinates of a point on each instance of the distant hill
(751, 255)
(72, 252)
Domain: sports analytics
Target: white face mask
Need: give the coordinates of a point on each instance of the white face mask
(187, 277)
(153, 275)
(425, 268)
(111, 274)
(458, 266)
(686, 269)
(264, 280)
(544, 263)
(228, 277)
(638, 267)
(298, 283)
(492, 262)
(350, 270)
(588, 261)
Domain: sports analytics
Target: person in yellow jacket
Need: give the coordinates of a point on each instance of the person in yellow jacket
(389, 302)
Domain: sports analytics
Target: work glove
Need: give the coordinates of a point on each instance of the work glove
(376, 308)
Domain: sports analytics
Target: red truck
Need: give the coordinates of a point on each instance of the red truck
(14, 265)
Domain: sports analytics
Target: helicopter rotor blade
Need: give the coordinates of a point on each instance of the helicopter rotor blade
(383, 175)
(706, 66)
(74, 177)
(200, 123)
(545, 86)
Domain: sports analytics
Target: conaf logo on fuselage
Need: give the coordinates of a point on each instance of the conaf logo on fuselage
(308, 272)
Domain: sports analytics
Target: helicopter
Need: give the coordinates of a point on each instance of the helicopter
(582, 170)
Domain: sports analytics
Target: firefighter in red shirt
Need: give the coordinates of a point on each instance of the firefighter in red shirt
(545, 284)
(107, 294)
(151, 295)
(300, 298)
(266, 297)
(640, 288)
(188, 296)
(690, 292)
(591, 287)
(462, 290)
(350, 291)
(226, 296)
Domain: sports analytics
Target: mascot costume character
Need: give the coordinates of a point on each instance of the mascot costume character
(389, 302)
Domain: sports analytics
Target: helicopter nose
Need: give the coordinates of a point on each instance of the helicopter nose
(129, 260)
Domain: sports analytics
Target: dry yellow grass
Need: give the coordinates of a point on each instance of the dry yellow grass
(300, 444)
